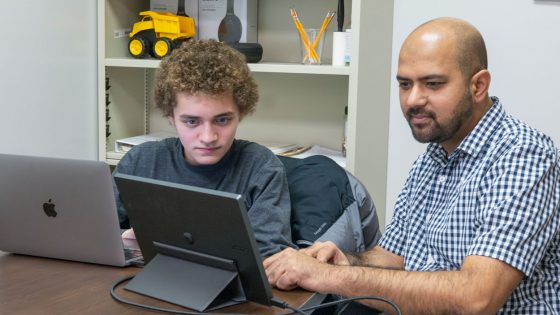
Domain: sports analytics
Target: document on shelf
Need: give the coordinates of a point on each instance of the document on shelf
(278, 147)
(113, 155)
(125, 144)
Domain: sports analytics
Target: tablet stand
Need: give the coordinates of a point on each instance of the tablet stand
(190, 279)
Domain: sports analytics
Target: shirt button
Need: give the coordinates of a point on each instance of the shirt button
(442, 178)
(431, 259)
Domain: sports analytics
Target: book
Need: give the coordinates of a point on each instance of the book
(278, 147)
(295, 151)
(113, 155)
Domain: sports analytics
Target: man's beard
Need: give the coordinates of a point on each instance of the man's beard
(435, 132)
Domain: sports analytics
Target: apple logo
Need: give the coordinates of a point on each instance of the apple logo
(48, 207)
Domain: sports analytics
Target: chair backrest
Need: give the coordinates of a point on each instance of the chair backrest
(359, 217)
(330, 204)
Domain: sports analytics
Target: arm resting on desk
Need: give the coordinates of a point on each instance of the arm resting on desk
(481, 286)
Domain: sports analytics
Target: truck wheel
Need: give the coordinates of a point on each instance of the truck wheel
(162, 47)
(137, 47)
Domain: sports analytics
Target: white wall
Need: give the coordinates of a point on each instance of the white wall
(48, 78)
(523, 42)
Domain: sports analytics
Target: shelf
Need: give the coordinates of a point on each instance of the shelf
(132, 63)
(298, 68)
(301, 104)
(266, 67)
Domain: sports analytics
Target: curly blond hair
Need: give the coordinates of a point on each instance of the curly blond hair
(205, 67)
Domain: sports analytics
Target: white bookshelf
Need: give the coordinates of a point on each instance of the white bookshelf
(272, 67)
(301, 104)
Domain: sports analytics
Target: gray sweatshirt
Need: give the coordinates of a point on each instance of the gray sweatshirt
(248, 169)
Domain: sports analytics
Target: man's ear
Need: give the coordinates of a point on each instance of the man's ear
(480, 83)
(171, 121)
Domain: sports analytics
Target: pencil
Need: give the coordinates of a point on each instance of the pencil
(304, 38)
(324, 27)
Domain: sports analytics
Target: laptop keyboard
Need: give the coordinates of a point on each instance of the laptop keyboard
(132, 254)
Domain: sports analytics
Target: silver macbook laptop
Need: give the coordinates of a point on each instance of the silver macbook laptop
(59, 208)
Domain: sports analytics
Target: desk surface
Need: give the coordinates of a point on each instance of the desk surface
(34, 285)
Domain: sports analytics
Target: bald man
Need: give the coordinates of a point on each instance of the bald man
(476, 225)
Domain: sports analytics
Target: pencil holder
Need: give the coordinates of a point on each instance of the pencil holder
(312, 43)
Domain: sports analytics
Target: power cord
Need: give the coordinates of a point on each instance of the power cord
(276, 302)
(352, 299)
(279, 303)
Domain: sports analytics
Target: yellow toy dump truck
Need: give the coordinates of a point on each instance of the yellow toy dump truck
(157, 33)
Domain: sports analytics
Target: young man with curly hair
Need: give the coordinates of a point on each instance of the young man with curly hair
(205, 88)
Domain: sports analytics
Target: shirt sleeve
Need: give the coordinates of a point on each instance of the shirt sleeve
(395, 237)
(519, 208)
(124, 167)
(269, 212)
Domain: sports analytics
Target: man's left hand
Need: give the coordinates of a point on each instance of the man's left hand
(290, 269)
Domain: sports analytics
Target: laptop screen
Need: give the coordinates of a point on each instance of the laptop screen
(59, 208)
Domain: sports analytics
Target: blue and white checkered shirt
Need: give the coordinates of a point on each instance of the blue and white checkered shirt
(496, 195)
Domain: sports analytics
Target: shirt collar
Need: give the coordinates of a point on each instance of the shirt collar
(476, 140)
(222, 164)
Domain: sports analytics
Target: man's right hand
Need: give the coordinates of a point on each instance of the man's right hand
(327, 252)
